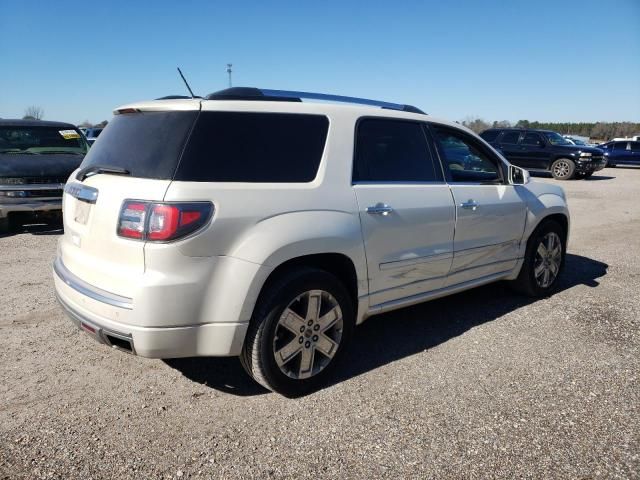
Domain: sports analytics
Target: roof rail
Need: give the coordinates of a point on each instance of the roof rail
(248, 93)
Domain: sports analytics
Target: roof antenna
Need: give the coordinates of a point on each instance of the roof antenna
(186, 83)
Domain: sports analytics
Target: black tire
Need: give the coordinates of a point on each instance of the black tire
(563, 169)
(4, 225)
(258, 355)
(526, 283)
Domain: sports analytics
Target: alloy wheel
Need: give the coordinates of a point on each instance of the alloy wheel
(548, 259)
(308, 334)
(561, 169)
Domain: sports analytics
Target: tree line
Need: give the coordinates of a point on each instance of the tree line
(593, 130)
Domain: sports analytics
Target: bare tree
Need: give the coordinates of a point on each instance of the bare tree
(478, 125)
(33, 113)
(85, 124)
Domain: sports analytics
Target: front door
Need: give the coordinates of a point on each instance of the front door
(535, 154)
(490, 212)
(406, 210)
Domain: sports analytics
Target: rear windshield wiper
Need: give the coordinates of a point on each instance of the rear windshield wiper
(97, 169)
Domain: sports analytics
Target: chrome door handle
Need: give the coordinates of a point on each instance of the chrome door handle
(380, 209)
(470, 205)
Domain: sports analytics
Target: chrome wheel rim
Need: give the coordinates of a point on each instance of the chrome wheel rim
(561, 168)
(548, 260)
(308, 334)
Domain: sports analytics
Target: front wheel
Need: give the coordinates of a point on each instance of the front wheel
(563, 169)
(300, 328)
(543, 261)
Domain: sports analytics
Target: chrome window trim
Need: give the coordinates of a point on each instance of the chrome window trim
(88, 290)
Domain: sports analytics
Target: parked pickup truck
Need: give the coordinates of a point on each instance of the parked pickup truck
(36, 158)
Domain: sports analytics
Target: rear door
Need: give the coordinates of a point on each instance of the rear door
(490, 213)
(146, 145)
(534, 152)
(635, 152)
(406, 209)
(508, 145)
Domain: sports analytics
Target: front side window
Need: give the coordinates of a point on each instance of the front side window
(41, 140)
(392, 151)
(464, 159)
(532, 139)
(510, 138)
(556, 139)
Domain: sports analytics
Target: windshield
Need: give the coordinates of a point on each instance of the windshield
(556, 139)
(40, 140)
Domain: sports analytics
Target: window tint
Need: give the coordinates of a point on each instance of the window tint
(620, 146)
(148, 144)
(635, 146)
(392, 151)
(510, 137)
(254, 147)
(464, 159)
(532, 139)
(490, 135)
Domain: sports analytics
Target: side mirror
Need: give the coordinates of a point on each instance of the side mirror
(518, 176)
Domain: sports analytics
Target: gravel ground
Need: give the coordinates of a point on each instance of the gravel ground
(483, 384)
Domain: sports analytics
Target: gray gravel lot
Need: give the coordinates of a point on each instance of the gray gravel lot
(479, 385)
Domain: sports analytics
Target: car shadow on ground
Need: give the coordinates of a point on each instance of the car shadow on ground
(389, 337)
(592, 178)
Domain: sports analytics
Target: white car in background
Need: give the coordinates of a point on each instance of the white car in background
(252, 224)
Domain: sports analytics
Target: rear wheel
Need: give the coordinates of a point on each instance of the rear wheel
(563, 169)
(543, 262)
(299, 330)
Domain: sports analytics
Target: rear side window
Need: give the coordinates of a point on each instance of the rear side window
(532, 139)
(620, 146)
(635, 146)
(392, 151)
(490, 135)
(510, 138)
(254, 147)
(147, 144)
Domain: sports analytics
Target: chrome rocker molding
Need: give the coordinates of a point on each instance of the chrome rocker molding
(88, 290)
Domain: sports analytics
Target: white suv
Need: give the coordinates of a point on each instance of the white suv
(252, 224)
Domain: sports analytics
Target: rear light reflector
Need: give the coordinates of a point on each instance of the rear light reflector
(162, 222)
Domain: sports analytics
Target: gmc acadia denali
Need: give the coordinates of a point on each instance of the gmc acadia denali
(252, 224)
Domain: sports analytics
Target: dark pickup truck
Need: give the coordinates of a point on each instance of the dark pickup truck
(545, 150)
(36, 158)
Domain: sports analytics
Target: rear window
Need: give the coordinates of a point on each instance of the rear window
(254, 147)
(490, 135)
(147, 144)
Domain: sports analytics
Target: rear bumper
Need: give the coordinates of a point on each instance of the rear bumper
(79, 302)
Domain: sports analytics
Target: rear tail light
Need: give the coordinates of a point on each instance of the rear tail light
(162, 222)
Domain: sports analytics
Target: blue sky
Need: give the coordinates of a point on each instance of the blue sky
(538, 60)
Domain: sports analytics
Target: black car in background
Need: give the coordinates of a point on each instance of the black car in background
(36, 158)
(621, 152)
(545, 150)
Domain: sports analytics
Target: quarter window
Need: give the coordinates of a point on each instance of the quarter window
(463, 158)
(254, 147)
(392, 151)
